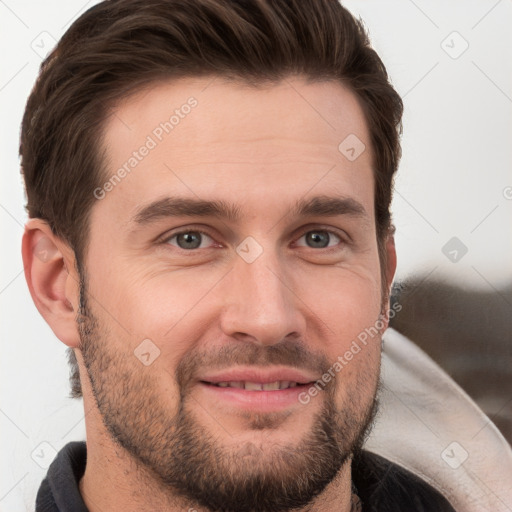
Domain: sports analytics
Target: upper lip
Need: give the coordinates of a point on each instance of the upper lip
(261, 375)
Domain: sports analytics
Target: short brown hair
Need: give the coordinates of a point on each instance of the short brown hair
(117, 47)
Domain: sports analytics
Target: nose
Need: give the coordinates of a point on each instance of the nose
(260, 304)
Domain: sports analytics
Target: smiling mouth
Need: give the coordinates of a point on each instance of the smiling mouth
(257, 386)
(254, 395)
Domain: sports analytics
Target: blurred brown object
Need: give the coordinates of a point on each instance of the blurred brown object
(468, 333)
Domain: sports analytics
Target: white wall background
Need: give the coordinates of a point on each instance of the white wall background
(455, 180)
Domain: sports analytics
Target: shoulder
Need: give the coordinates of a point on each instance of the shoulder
(384, 486)
(59, 491)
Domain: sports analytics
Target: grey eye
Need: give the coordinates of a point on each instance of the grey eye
(188, 240)
(317, 239)
(320, 239)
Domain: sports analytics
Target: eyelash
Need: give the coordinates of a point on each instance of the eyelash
(167, 238)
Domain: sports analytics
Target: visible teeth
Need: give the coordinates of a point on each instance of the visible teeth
(271, 386)
(258, 386)
(253, 386)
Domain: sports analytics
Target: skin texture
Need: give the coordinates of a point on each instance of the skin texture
(154, 433)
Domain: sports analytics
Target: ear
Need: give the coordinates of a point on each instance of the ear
(389, 273)
(390, 258)
(52, 279)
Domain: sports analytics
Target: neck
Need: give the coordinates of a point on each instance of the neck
(114, 481)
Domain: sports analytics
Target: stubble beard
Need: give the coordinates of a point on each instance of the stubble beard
(188, 461)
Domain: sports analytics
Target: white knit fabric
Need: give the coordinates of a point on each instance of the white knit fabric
(430, 426)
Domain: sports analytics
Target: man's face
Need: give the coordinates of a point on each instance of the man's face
(188, 314)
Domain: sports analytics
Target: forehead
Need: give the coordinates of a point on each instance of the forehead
(320, 112)
(212, 138)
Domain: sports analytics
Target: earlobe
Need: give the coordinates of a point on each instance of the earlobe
(52, 279)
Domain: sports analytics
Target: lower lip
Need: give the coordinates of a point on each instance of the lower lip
(264, 401)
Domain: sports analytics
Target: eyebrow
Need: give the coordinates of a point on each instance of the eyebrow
(318, 206)
(186, 207)
(326, 206)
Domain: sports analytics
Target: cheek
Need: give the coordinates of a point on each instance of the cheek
(169, 309)
(356, 382)
(347, 300)
(349, 304)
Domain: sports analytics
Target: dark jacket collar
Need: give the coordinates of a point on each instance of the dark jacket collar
(381, 485)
